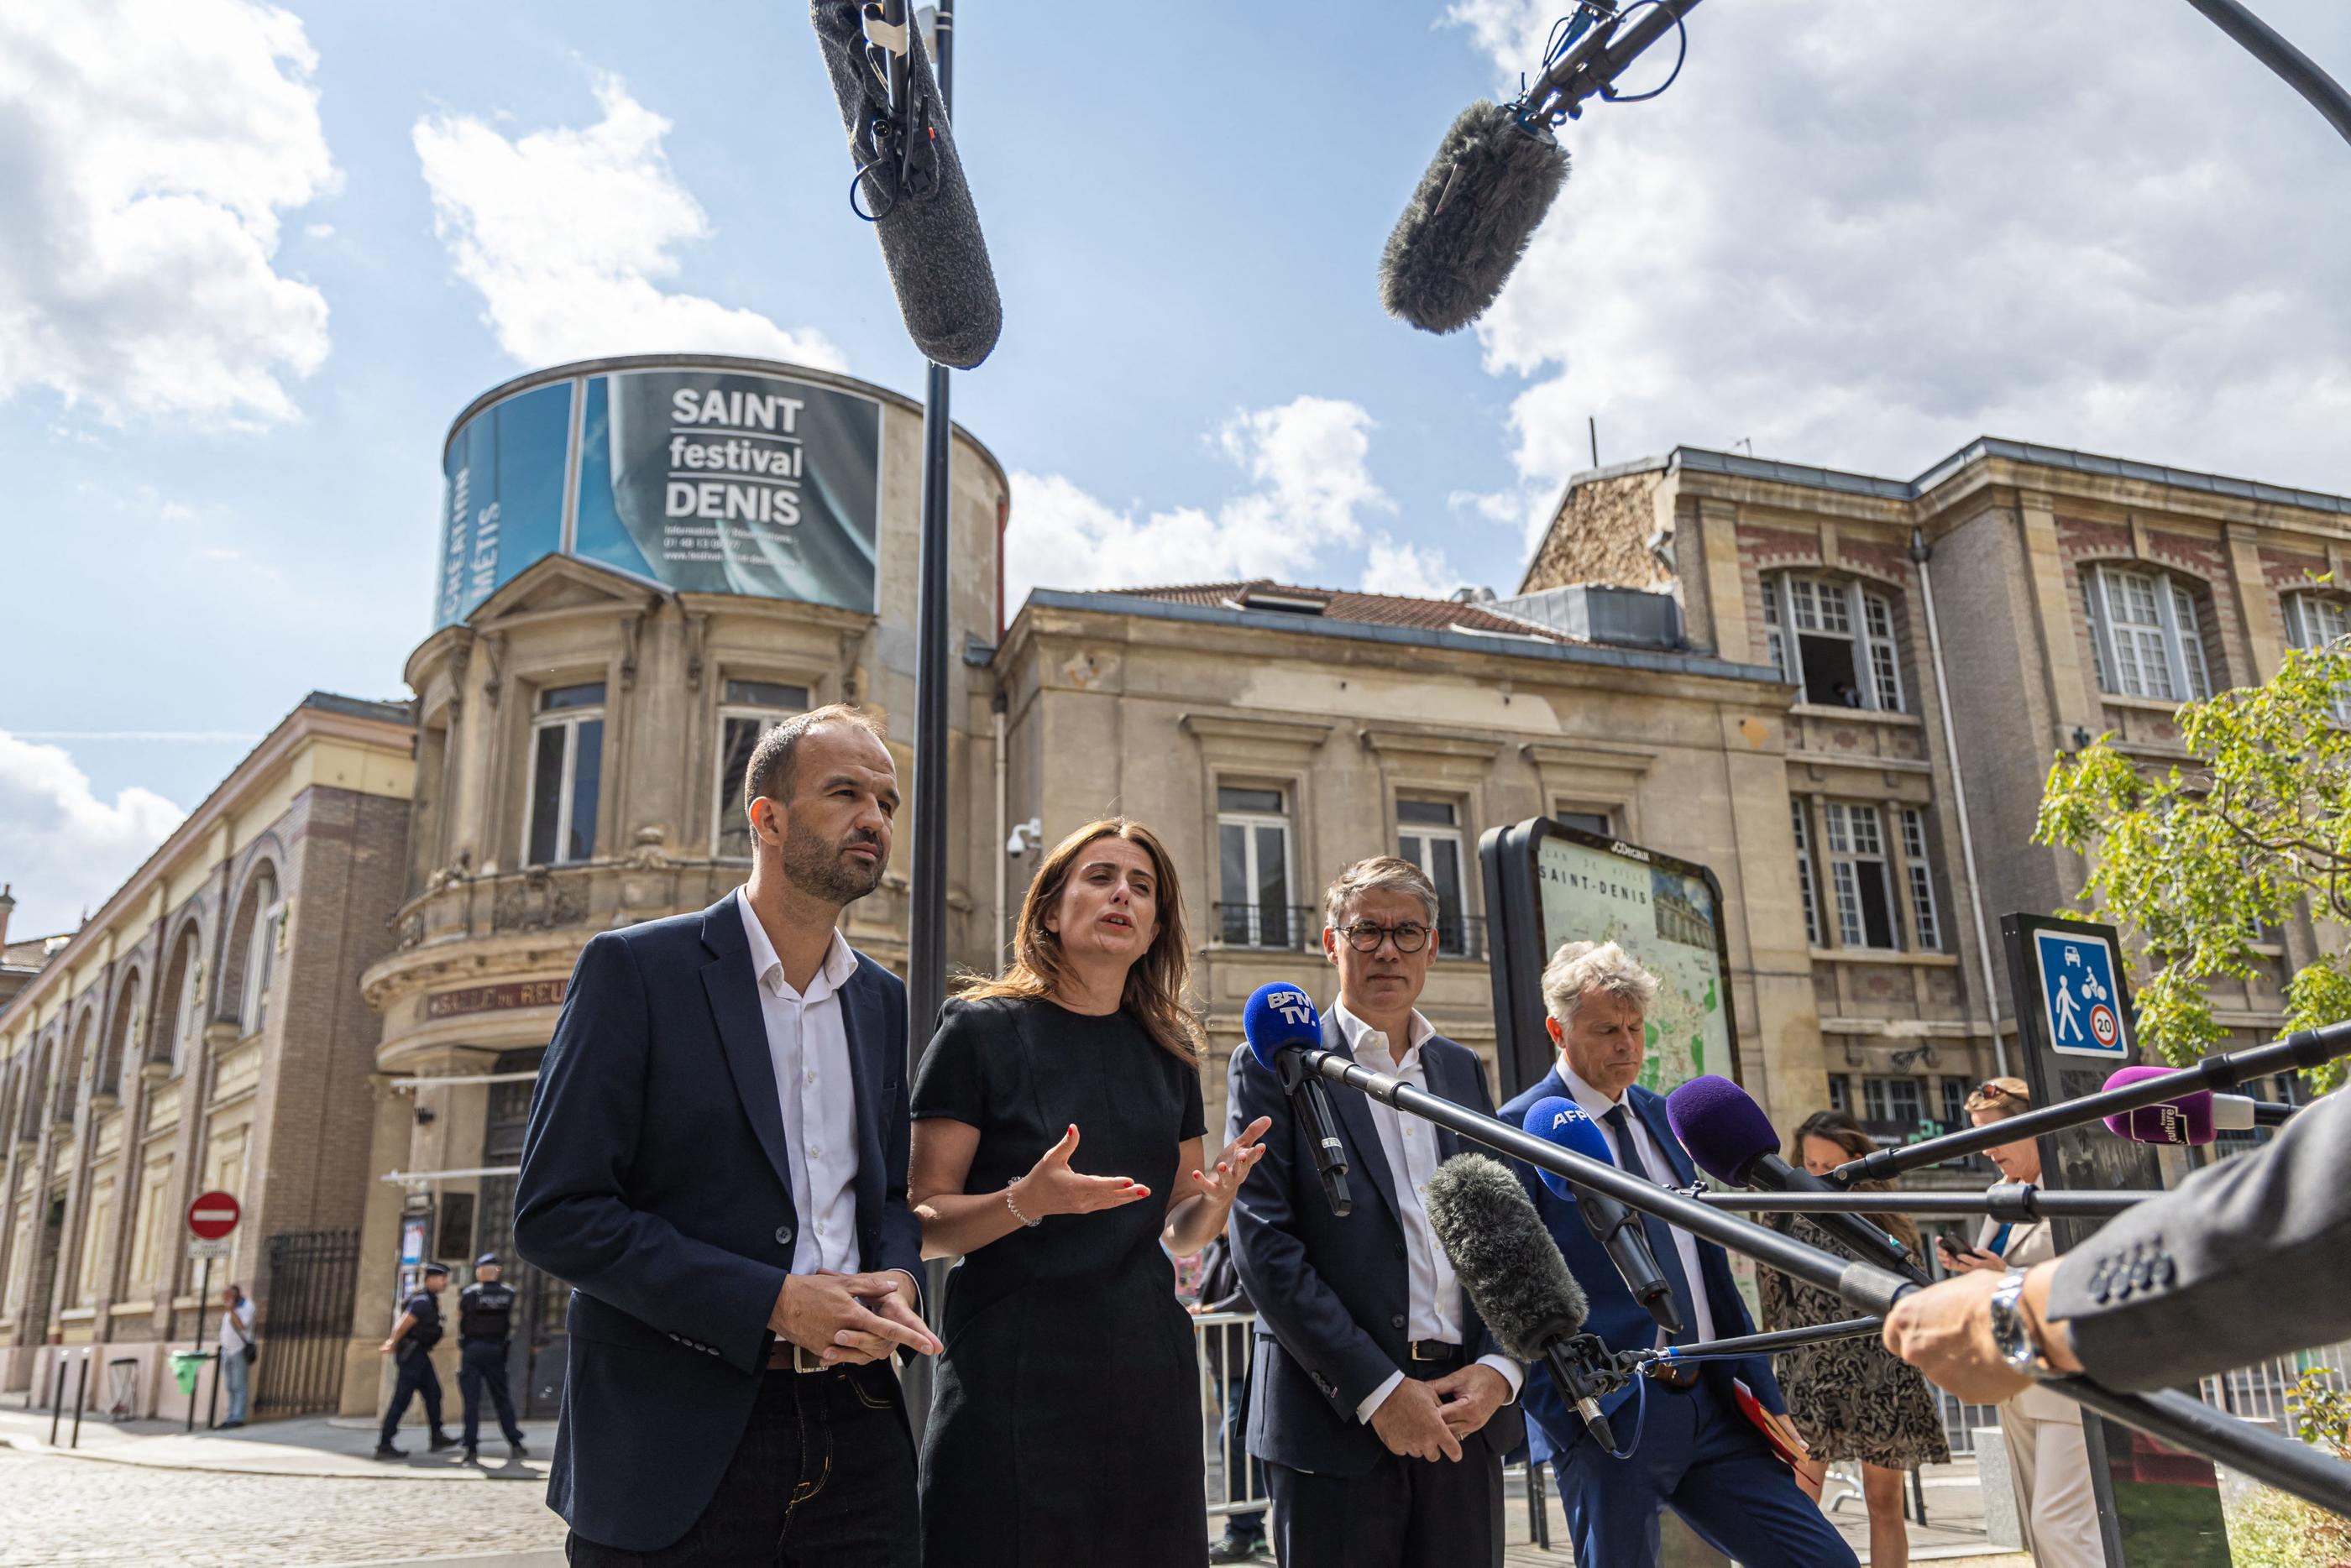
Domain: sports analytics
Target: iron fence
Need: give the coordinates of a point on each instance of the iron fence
(305, 1322)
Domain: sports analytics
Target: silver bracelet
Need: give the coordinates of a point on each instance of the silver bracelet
(1032, 1224)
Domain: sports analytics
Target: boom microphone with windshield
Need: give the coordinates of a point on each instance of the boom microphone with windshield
(1499, 167)
(1515, 1277)
(1731, 1139)
(1281, 1024)
(909, 182)
(1617, 1229)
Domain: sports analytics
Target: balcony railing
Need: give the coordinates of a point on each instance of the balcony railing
(1278, 927)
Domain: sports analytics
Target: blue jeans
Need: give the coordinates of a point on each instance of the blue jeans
(237, 1380)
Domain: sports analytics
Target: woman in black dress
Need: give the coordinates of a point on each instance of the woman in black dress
(1850, 1397)
(1057, 1151)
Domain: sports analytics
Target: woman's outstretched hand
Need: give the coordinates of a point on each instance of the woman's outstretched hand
(1052, 1188)
(1221, 1185)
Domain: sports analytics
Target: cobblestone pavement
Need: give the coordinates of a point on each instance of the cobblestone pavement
(58, 1511)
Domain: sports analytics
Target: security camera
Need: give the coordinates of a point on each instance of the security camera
(1025, 836)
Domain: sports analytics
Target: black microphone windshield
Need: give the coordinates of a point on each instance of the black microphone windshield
(1503, 1256)
(1468, 224)
(928, 225)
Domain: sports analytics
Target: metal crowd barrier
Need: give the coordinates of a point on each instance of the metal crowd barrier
(1222, 1343)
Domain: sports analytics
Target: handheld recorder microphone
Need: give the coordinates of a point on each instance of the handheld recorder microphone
(1520, 1285)
(1731, 1139)
(2195, 1117)
(1281, 1025)
(1561, 1121)
(910, 183)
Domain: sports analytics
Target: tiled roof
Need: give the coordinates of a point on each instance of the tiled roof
(1339, 604)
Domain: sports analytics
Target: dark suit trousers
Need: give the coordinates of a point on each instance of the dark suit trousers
(1700, 1458)
(824, 1478)
(1403, 1513)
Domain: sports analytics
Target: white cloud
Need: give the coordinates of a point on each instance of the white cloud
(147, 147)
(65, 849)
(1861, 233)
(1414, 571)
(568, 235)
(1310, 461)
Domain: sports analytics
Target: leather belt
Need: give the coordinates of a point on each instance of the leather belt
(785, 1356)
(1432, 1350)
(1675, 1377)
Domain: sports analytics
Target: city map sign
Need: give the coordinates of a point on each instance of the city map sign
(1547, 882)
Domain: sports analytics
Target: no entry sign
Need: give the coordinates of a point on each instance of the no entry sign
(211, 1216)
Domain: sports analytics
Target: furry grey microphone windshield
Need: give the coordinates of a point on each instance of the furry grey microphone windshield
(1503, 1256)
(1469, 223)
(930, 235)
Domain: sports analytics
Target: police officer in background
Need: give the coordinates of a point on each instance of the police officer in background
(410, 1346)
(485, 1324)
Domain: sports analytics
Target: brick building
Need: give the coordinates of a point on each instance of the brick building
(202, 1030)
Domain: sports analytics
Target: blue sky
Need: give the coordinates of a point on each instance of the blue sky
(237, 315)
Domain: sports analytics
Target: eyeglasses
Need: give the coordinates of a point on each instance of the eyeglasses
(1364, 936)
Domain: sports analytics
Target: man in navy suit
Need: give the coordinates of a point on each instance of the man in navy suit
(1697, 1454)
(1380, 1404)
(717, 1163)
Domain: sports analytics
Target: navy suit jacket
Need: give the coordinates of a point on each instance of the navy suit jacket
(1622, 1322)
(654, 1182)
(1331, 1293)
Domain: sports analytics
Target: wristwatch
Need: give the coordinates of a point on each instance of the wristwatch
(2010, 1333)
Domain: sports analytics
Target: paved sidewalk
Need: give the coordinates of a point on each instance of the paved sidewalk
(331, 1447)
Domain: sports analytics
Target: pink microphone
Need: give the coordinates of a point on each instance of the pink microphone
(2195, 1117)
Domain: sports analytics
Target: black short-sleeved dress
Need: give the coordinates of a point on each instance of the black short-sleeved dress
(1065, 1424)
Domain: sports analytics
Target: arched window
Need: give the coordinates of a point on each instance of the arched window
(122, 1033)
(181, 1000)
(260, 919)
(2145, 634)
(1835, 638)
(69, 1075)
(2315, 621)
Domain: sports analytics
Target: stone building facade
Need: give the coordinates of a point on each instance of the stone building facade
(1946, 637)
(1274, 734)
(203, 1031)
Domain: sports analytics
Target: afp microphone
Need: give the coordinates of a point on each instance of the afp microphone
(911, 185)
(1731, 1139)
(1561, 1121)
(2195, 1118)
(1281, 1025)
(1516, 1279)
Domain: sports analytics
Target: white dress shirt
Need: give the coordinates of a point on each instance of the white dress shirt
(809, 1046)
(1597, 1105)
(1433, 1294)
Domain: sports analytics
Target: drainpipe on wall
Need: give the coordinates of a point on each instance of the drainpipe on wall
(996, 709)
(1919, 552)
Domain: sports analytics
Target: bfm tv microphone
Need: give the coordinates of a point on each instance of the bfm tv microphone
(2193, 1118)
(1281, 1025)
(1731, 1139)
(1515, 1277)
(910, 183)
(1561, 1121)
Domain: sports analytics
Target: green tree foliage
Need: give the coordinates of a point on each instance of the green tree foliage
(2195, 863)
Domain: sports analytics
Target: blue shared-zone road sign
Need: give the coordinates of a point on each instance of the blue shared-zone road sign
(2078, 992)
